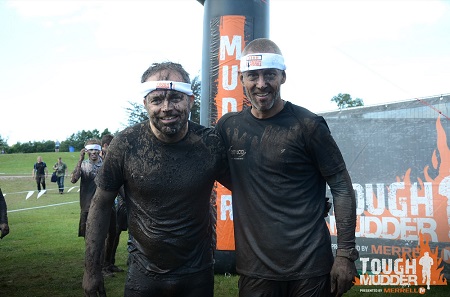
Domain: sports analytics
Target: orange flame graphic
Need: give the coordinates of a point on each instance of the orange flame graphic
(437, 215)
(440, 185)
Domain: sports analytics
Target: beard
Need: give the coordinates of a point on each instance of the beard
(169, 129)
(264, 105)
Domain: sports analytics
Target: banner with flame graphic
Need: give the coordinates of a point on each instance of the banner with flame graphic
(399, 160)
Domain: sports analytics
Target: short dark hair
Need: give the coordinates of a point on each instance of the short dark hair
(106, 139)
(92, 141)
(158, 67)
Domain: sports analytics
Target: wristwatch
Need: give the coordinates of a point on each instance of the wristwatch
(351, 254)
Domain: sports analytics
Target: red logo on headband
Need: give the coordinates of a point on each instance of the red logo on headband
(255, 60)
(254, 63)
(164, 85)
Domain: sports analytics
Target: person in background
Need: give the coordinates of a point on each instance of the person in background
(122, 225)
(106, 140)
(57, 144)
(39, 173)
(87, 170)
(4, 227)
(281, 157)
(60, 168)
(111, 242)
(168, 166)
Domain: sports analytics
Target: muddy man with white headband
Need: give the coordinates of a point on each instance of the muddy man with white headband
(168, 103)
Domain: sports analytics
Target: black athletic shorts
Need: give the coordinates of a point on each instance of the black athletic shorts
(313, 287)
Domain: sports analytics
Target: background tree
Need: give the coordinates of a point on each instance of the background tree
(197, 90)
(345, 101)
(137, 112)
(77, 140)
(3, 145)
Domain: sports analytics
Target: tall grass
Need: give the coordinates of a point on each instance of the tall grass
(42, 256)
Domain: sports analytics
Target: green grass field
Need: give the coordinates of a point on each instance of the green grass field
(42, 256)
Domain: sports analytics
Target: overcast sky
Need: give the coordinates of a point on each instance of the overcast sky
(67, 66)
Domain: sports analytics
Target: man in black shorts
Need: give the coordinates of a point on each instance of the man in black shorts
(167, 166)
(281, 156)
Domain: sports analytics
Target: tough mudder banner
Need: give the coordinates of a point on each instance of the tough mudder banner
(228, 39)
(399, 160)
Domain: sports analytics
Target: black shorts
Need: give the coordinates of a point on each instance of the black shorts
(313, 287)
(143, 283)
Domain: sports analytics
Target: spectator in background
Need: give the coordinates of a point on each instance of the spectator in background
(106, 140)
(57, 144)
(121, 225)
(40, 172)
(60, 168)
(87, 171)
(4, 227)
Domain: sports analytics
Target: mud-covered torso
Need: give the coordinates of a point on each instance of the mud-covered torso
(277, 167)
(89, 171)
(167, 190)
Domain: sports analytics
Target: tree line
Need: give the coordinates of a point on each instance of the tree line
(76, 141)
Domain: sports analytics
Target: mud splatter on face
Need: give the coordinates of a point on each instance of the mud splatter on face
(168, 110)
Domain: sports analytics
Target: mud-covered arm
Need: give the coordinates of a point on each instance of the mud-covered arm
(344, 202)
(225, 179)
(224, 174)
(96, 229)
(343, 271)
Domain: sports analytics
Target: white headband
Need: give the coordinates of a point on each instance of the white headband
(93, 147)
(262, 61)
(150, 86)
